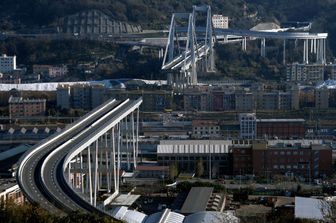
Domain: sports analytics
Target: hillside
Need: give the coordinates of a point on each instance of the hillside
(23, 14)
(30, 15)
(18, 14)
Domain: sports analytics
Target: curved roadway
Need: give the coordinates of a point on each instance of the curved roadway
(52, 171)
(29, 175)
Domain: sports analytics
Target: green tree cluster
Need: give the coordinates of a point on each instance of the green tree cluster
(173, 171)
(199, 168)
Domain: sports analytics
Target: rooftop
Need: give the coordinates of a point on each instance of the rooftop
(197, 200)
(281, 120)
(152, 168)
(21, 100)
(309, 208)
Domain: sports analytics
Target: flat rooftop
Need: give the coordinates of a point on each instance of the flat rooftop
(197, 200)
(125, 200)
(281, 120)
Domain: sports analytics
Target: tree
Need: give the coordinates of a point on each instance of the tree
(173, 171)
(199, 168)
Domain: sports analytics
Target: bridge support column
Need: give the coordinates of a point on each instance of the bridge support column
(306, 51)
(324, 51)
(107, 166)
(284, 52)
(160, 53)
(126, 144)
(263, 47)
(113, 155)
(96, 175)
(137, 132)
(244, 44)
(90, 175)
(118, 155)
(81, 172)
(71, 182)
(321, 51)
(100, 165)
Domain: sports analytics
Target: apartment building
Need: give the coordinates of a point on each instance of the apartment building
(19, 107)
(248, 125)
(7, 63)
(50, 71)
(205, 128)
(305, 72)
(220, 21)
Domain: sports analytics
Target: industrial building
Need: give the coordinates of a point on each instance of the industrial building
(309, 159)
(280, 128)
(186, 153)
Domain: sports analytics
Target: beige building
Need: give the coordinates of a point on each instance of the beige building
(19, 107)
(205, 128)
(220, 21)
(10, 191)
(50, 71)
(305, 72)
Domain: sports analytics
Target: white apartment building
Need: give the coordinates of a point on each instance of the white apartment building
(220, 21)
(305, 72)
(7, 63)
(248, 125)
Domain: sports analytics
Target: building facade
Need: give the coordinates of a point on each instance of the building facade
(50, 70)
(10, 191)
(7, 63)
(322, 98)
(294, 158)
(186, 153)
(220, 21)
(248, 125)
(19, 107)
(280, 128)
(205, 128)
(305, 72)
(80, 96)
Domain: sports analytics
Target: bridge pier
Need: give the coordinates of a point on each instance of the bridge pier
(284, 52)
(305, 51)
(321, 51)
(104, 158)
(244, 44)
(263, 47)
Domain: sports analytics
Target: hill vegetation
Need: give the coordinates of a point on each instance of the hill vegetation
(25, 15)
(13, 213)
